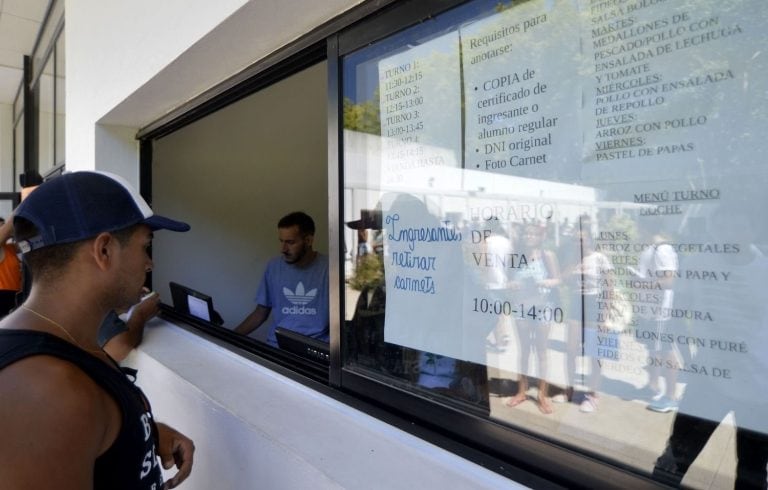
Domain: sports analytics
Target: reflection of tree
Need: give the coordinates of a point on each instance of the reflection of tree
(369, 273)
(441, 90)
(502, 6)
(622, 223)
(363, 117)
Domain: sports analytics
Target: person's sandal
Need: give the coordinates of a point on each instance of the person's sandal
(545, 406)
(516, 400)
(589, 404)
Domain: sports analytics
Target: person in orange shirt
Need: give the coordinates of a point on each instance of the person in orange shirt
(10, 269)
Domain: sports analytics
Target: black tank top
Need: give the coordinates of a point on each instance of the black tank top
(131, 462)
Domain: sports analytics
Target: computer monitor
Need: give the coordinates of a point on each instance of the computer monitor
(187, 301)
(303, 346)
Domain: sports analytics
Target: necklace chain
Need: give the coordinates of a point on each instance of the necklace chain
(57, 324)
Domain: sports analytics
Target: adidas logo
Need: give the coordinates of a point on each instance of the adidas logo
(299, 298)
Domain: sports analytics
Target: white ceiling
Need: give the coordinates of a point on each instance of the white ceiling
(20, 22)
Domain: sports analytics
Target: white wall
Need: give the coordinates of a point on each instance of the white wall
(254, 428)
(115, 47)
(117, 151)
(128, 63)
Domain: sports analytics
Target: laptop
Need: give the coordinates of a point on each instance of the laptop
(303, 346)
(188, 301)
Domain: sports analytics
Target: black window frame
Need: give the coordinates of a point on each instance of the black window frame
(44, 51)
(27, 101)
(520, 454)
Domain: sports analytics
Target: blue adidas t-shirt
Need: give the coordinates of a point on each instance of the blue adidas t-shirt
(298, 297)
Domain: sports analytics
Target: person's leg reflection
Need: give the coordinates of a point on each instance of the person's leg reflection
(752, 457)
(542, 344)
(688, 437)
(524, 336)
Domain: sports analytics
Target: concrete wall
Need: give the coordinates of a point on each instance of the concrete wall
(113, 48)
(129, 63)
(254, 428)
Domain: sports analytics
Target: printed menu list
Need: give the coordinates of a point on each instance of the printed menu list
(639, 86)
(647, 98)
(682, 297)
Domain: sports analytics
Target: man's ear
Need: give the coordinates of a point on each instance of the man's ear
(103, 250)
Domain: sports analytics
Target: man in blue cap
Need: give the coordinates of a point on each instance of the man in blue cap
(70, 417)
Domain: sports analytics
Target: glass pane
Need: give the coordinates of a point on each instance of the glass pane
(18, 157)
(60, 100)
(6, 208)
(18, 104)
(45, 89)
(553, 218)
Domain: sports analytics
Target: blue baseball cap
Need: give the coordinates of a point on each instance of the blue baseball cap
(79, 205)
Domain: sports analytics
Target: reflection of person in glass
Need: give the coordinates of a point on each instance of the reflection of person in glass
(439, 348)
(534, 285)
(363, 247)
(366, 328)
(728, 371)
(494, 280)
(657, 267)
(587, 280)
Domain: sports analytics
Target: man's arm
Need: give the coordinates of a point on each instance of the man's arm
(55, 422)
(254, 320)
(120, 345)
(175, 449)
(666, 264)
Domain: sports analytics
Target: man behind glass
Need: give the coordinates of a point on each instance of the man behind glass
(295, 284)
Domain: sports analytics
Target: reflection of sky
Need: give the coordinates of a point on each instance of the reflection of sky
(360, 69)
(728, 149)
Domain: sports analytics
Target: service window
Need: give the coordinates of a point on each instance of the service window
(554, 218)
(232, 175)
